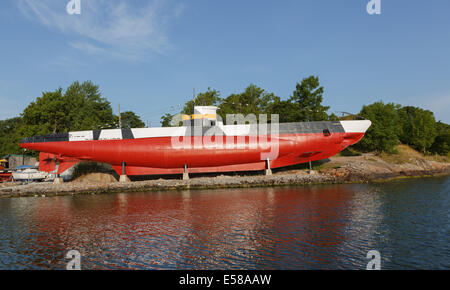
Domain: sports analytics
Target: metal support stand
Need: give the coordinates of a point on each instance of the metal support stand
(185, 173)
(268, 171)
(311, 171)
(124, 177)
(58, 179)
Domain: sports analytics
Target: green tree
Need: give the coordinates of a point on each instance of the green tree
(81, 107)
(47, 114)
(441, 144)
(10, 136)
(287, 110)
(208, 98)
(166, 120)
(87, 108)
(308, 97)
(385, 129)
(129, 120)
(333, 117)
(418, 127)
(253, 100)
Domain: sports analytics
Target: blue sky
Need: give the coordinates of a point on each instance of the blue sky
(149, 55)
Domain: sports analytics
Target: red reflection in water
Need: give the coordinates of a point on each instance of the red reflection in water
(251, 228)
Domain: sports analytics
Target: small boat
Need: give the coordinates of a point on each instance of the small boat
(5, 174)
(28, 173)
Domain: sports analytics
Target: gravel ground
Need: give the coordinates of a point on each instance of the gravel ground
(338, 170)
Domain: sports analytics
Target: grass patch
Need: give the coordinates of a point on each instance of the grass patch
(406, 154)
(349, 152)
(438, 158)
(370, 159)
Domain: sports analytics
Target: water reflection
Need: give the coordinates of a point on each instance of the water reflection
(319, 227)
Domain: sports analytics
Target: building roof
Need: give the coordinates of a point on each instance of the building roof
(11, 155)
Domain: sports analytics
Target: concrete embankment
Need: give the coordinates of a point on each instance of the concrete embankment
(49, 189)
(364, 168)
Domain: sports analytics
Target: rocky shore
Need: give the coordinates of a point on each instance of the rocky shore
(365, 168)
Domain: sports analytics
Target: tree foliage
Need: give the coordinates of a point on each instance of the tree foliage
(385, 129)
(287, 110)
(208, 98)
(87, 108)
(305, 104)
(409, 125)
(418, 127)
(166, 120)
(441, 144)
(253, 100)
(10, 136)
(308, 98)
(79, 107)
(129, 120)
(47, 114)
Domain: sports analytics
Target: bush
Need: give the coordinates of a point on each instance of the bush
(418, 128)
(441, 144)
(385, 129)
(349, 152)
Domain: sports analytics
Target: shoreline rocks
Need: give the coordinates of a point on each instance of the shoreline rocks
(339, 170)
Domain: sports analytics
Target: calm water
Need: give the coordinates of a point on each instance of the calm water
(317, 227)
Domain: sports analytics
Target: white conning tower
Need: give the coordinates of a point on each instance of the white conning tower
(203, 116)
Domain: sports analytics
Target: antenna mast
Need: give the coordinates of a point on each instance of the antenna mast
(120, 119)
(193, 111)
